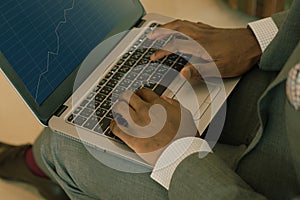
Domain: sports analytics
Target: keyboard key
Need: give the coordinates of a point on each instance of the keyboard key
(100, 112)
(91, 123)
(158, 44)
(124, 69)
(90, 96)
(113, 98)
(173, 57)
(159, 90)
(158, 61)
(71, 117)
(109, 133)
(141, 50)
(149, 30)
(143, 37)
(125, 56)
(93, 105)
(130, 63)
(125, 83)
(102, 82)
(137, 69)
(168, 62)
(100, 97)
(136, 56)
(149, 69)
(84, 103)
(106, 105)
(86, 112)
(149, 85)
(143, 61)
(104, 123)
(178, 67)
(119, 90)
(131, 50)
(118, 76)
(79, 120)
(148, 55)
(77, 110)
(115, 68)
(182, 61)
(136, 85)
(147, 43)
(151, 51)
(106, 90)
(162, 69)
(156, 78)
(98, 129)
(112, 83)
(120, 62)
(143, 77)
(97, 88)
(153, 25)
(131, 75)
(137, 44)
(110, 115)
(109, 74)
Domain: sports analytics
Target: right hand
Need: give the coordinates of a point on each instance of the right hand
(234, 51)
(154, 122)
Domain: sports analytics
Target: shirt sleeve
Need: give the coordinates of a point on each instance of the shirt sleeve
(173, 155)
(265, 30)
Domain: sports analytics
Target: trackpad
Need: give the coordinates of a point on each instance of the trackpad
(193, 95)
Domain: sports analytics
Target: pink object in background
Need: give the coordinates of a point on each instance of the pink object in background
(293, 87)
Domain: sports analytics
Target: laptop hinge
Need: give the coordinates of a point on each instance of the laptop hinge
(60, 110)
(139, 23)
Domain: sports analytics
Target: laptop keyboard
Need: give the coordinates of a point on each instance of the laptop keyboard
(134, 70)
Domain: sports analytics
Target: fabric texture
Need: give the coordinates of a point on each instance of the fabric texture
(32, 165)
(84, 177)
(277, 53)
(173, 155)
(264, 30)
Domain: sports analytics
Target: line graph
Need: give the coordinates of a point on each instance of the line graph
(44, 41)
(54, 53)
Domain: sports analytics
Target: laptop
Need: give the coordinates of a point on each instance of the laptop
(69, 60)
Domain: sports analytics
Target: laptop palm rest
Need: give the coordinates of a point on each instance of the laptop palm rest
(196, 96)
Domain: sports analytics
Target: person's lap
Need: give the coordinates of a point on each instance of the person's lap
(82, 176)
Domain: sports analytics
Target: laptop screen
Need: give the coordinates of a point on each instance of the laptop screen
(45, 40)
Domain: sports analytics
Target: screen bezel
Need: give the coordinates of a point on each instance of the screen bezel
(47, 109)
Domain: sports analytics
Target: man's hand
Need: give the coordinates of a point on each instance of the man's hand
(234, 51)
(153, 122)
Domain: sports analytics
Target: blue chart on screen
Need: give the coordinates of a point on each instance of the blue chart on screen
(45, 40)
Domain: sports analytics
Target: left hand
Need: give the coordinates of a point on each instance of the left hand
(153, 123)
(233, 51)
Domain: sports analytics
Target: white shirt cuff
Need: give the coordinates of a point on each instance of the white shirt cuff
(173, 155)
(265, 30)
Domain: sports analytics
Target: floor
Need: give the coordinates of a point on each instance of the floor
(17, 123)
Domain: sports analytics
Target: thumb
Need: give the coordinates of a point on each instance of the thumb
(189, 72)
